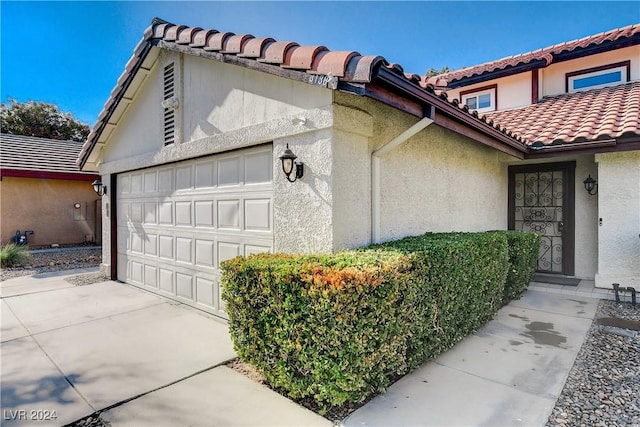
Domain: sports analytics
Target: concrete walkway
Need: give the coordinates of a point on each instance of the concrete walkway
(150, 361)
(509, 373)
(69, 351)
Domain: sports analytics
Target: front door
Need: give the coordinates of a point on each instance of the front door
(541, 199)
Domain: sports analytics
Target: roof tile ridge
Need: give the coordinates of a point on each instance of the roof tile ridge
(543, 49)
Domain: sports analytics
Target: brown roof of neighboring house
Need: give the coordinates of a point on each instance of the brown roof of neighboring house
(619, 37)
(28, 153)
(349, 69)
(593, 115)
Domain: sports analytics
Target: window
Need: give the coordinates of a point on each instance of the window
(480, 99)
(597, 77)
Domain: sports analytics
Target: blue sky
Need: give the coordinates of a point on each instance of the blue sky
(72, 53)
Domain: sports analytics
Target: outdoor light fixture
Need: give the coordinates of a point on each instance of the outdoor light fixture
(591, 185)
(100, 189)
(77, 205)
(288, 163)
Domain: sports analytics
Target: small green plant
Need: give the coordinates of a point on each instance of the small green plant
(12, 255)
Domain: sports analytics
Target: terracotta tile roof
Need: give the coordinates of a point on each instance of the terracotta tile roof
(597, 114)
(286, 59)
(542, 57)
(28, 153)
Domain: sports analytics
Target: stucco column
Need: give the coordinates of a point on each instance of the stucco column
(105, 266)
(303, 209)
(619, 215)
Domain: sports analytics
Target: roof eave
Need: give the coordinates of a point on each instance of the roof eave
(492, 75)
(509, 144)
(541, 63)
(144, 47)
(624, 143)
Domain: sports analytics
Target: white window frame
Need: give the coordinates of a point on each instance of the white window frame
(492, 95)
(623, 78)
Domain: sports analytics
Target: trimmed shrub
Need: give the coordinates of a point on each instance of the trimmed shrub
(335, 328)
(12, 255)
(460, 281)
(328, 327)
(524, 248)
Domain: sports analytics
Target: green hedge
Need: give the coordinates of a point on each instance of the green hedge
(460, 280)
(336, 327)
(329, 327)
(523, 256)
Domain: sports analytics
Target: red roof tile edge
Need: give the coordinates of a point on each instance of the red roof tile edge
(573, 118)
(545, 55)
(346, 66)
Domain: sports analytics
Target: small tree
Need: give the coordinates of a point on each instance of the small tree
(40, 119)
(433, 72)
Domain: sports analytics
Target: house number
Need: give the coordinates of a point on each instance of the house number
(329, 81)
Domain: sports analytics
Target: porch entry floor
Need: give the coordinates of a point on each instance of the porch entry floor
(585, 288)
(555, 279)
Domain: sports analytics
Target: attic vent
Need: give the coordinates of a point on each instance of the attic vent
(169, 107)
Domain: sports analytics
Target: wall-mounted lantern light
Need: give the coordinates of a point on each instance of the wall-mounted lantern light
(100, 189)
(591, 185)
(77, 206)
(288, 164)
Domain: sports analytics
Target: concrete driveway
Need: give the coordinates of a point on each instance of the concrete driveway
(68, 351)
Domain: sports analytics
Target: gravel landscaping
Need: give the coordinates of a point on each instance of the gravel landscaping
(55, 260)
(603, 387)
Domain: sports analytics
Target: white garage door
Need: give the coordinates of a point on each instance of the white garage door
(178, 222)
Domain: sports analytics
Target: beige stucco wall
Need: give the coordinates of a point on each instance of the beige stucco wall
(619, 209)
(553, 76)
(46, 206)
(217, 99)
(586, 213)
(513, 91)
(436, 181)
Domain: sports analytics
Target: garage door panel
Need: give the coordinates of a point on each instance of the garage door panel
(229, 171)
(165, 213)
(257, 214)
(184, 286)
(166, 281)
(150, 212)
(205, 291)
(177, 223)
(165, 247)
(151, 245)
(136, 271)
(229, 214)
(151, 276)
(184, 177)
(205, 253)
(123, 184)
(227, 250)
(183, 250)
(258, 167)
(165, 180)
(183, 213)
(204, 211)
(136, 183)
(150, 182)
(206, 174)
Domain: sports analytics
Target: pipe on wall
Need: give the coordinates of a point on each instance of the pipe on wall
(375, 172)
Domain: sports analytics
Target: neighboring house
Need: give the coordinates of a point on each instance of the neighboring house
(189, 147)
(42, 190)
